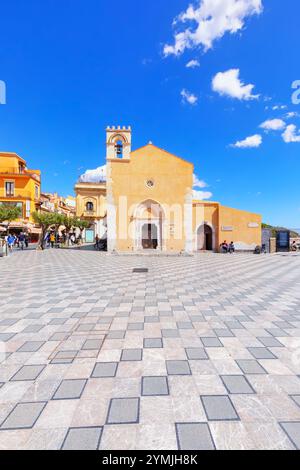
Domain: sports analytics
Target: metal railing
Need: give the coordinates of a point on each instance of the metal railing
(18, 194)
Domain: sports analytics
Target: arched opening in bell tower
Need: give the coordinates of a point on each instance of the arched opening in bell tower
(119, 149)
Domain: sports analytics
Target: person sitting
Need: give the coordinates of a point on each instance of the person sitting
(294, 246)
(224, 247)
(231, 248)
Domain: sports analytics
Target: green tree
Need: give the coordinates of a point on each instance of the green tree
(46, 222)
(69, 223)
(8, 213)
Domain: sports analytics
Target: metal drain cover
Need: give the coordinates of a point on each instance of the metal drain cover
(140, 270)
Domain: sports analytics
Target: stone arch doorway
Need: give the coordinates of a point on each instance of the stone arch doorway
(205, 238)
(149, 220)
(149, 237)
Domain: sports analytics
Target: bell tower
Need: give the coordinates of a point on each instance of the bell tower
(118, 143)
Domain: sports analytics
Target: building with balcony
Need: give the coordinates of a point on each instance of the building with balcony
(46, 205)
(21, 187)
(91, 206)
(55, 203)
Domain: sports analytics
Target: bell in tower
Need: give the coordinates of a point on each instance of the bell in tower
(119, 149)
(118, 143)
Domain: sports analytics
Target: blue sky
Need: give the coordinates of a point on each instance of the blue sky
(73, 67)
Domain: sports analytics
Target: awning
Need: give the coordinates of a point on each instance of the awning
(30, 228)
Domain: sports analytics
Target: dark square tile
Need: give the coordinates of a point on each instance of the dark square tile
(83, 438)
(105, 369)
(194, 436)
(23, 415)
(28, 373)
(261, 353)
(249, 366)
(31, 346)
(132, 355)
(70, 389)
(155, 386)
(219, 408)
(153, 343)
(178, 368)
(211, 343)
(196, 354)
(123, 411)
(292, 429)
(237, 384)
(170, 333)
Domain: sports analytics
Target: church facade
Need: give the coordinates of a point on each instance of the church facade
(146, 202)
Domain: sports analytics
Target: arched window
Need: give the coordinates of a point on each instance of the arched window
(119, 149)
(89, 207)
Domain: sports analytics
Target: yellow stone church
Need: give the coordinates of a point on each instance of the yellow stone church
(144, 201)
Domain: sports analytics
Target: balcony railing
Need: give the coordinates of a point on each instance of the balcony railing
(17, 195)
(19, 171)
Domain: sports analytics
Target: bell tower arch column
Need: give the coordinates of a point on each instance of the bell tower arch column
(118, 147)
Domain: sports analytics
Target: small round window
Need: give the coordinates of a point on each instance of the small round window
(150, 183)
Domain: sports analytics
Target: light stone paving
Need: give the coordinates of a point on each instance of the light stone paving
(199, 352)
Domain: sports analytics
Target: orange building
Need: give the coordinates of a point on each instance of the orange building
(148, 203)
(19, 187)
(61, 205)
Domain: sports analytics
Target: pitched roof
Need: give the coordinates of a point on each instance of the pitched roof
(162, 150)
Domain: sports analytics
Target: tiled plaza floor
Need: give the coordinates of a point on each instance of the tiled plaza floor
(199, 353)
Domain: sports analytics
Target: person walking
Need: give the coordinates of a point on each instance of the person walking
(97, 239)
(21, 241)
(52, 239)
(11, 239)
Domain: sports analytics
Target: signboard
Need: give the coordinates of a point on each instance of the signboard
(228, 228)
(253, 225)
(283, 241)
(27, 209)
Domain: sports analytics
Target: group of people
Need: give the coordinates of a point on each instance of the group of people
(227, 247)
(21, 241)
(54, 239)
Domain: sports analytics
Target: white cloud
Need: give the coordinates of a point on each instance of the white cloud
(188, 97)
(253, 141)
(273, 125)
(292, 115)
(291, 134)
(192, 64)
(209, 20)
(278, 107)
(94, 176)
(199, 183)
(229, 84)
(201, 195)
